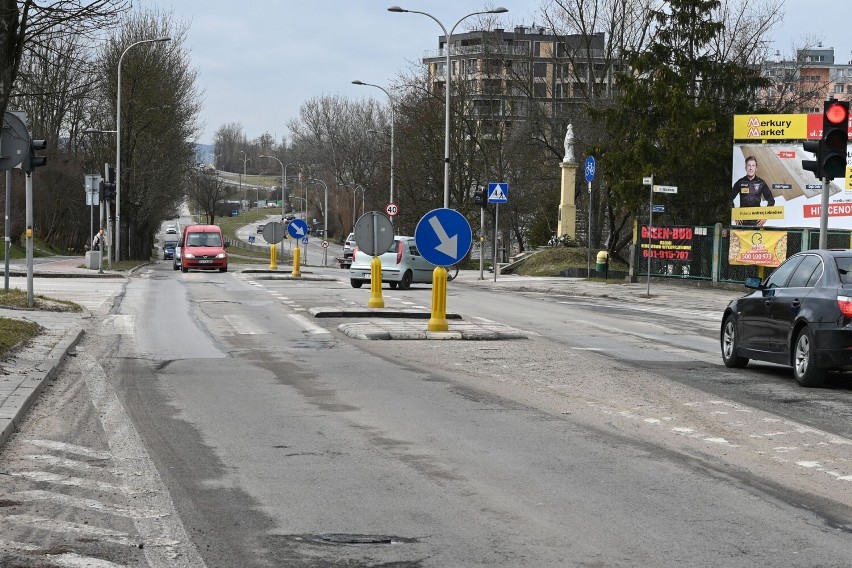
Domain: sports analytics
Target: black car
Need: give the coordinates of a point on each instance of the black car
(169, 249)
(800, 316)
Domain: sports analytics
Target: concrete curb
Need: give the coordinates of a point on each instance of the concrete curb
(23, 397)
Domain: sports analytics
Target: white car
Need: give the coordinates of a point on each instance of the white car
(171, 229)
(402, 265)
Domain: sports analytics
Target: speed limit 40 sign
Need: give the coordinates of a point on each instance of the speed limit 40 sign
(392, 209)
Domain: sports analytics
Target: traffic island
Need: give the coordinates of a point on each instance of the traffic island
(395, 329)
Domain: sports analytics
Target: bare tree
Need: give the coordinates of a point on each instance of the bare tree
(31, 26)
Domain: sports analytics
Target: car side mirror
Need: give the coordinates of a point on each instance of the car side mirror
(226, 244)
(753, 282)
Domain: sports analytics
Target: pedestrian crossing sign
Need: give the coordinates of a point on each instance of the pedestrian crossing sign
(498, 192)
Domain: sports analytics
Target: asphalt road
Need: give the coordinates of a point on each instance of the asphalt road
(220, 425)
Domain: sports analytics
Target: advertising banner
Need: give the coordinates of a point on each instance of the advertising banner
(770, 189)
(759, 248)
(667, 243)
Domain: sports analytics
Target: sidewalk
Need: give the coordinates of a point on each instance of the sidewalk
(60, 267)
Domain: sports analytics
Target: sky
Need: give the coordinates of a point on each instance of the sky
(259, 60)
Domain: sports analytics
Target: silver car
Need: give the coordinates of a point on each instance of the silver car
(402, 265)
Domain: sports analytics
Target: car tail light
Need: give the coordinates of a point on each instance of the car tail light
(399, 249)
(845, 304)
(354, 251)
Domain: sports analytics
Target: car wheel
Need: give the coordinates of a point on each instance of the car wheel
(392, 285)
(405, 283)
(184, 269)
(223, 269)
(729, 345)
(805, 368)
(355, 283)
(175, 266)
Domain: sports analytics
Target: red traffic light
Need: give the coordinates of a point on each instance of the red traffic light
(837, 113)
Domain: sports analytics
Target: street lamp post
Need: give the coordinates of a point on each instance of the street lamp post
(283, 180)
(393, 120)
(245, 159)
(324, 220)
(118, 147)
(448, 36)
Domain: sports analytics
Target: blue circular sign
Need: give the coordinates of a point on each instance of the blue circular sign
(297, 228)
(443, 237)
(590, 168)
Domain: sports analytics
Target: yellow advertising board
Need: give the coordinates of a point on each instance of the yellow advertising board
(848, 178)
(758, 248)
(770, 126)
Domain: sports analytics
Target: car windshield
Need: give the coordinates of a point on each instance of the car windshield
(844, 268)
(203, 240)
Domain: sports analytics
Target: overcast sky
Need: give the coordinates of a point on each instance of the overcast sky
(259, 60)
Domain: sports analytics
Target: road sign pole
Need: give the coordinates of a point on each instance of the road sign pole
(589, 252)
(482, 243)
(650, 230)
(496, 224)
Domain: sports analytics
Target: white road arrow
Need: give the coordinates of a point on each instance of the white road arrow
(449, 245)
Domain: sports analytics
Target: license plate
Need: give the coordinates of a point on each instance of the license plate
(205, 261)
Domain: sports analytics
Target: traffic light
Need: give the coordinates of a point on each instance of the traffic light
(32, 161)
(479, 197)
(815, 166)
(107, 190)
(835, 128)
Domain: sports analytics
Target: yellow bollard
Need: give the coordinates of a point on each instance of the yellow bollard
(296, 254)
(273, 257)
(376, 300)
(438, 321)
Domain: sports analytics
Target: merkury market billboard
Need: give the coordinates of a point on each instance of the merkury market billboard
(776, 191)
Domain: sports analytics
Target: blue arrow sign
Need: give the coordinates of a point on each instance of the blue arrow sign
(297, 228)
(658, 208)
(498, 192)
(443, 237)
(590, 168)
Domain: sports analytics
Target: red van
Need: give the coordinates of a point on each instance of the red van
(203, 249)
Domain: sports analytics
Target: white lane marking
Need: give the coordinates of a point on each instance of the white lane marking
(140, 476)
(588, 348)
(63, 462)
(311, 327)
(71, 448)
(119, 324)
(50, 477)
(64, 559)
(244, 325)
(86, 531)
(83, 503)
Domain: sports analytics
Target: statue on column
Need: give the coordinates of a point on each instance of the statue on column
(569, 146)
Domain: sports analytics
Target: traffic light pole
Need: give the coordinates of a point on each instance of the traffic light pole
(823, 216)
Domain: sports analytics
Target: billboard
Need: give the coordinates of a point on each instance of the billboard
(769, 188)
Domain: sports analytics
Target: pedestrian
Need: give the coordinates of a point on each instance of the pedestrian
(752, 191)
(98, 241)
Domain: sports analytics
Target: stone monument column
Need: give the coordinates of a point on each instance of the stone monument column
(567, 222)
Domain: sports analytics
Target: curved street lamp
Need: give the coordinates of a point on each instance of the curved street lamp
(393, 119)
(118, 146)
(324, 220)
(448, 36)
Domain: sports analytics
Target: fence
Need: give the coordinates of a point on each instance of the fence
(709, 259)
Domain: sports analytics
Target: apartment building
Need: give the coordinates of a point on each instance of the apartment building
(814, 76)
(500, 72)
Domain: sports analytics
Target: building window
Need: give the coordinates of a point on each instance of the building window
(838, 88)
(537, 49)
(540, 90)
(539, 69)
